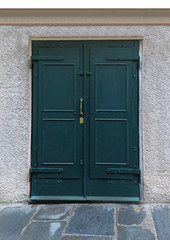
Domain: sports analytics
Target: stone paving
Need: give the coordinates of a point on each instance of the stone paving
(84, 222)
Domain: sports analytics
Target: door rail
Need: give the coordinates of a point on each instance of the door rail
(124, 171)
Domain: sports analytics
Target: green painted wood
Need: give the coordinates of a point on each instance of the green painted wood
(59, 134)
(113, 119)
(100, 158)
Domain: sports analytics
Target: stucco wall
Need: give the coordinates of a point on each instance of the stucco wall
(15, 105)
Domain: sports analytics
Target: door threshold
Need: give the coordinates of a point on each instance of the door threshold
(57, 198)
(84, 199)
(112, 199)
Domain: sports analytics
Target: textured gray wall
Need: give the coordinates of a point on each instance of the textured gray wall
(15, 105)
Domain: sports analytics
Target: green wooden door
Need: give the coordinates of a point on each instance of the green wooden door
(85, 121)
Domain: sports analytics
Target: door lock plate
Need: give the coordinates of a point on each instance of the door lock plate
(81, 120)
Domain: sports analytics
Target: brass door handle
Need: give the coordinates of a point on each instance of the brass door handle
(81, 107)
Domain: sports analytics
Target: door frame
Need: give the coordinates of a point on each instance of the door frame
(140, 122)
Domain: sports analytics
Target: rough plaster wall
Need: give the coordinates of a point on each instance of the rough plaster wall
(15, 105)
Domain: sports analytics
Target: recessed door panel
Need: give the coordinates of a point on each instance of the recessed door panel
(110, 142)
(59, 85)
(59, 135)
(110, 87)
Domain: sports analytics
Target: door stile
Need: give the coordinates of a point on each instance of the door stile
(136, 150)
(34, 113)
(85, 122)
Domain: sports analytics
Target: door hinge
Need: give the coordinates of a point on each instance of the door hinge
(139, 64)
(88, 73)
(81, 162)
(30, 176)
(80, 73)
(30, 61)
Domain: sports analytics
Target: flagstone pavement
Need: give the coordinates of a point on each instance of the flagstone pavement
(84, 221)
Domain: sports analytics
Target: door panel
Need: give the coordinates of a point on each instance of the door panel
(59, 134)
(59, 86)
(94, 157)
(113, 111)
(110, 142)
(110, 87)
(56, 153)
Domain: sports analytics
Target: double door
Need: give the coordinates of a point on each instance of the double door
(85, 121)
